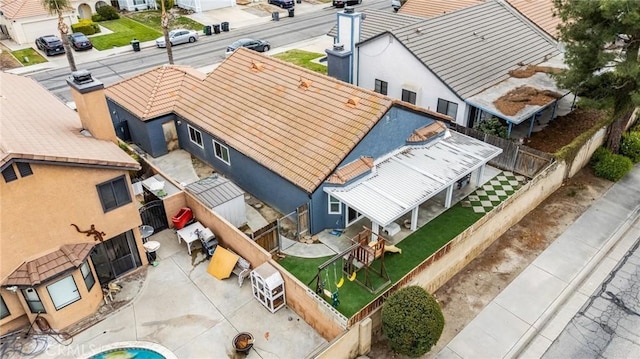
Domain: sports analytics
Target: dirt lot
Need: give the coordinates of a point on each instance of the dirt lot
(466, 294)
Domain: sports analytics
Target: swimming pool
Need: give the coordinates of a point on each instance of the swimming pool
(126, 353)
(130, 350)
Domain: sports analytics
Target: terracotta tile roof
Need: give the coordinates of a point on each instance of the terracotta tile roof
(53, 129)
(425, 133)
(40, 270)
(18, 9)
(540, 12)
(298, 123)
(153, 93)
(352, 170)
(431, 8)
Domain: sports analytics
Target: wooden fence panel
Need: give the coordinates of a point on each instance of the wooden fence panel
(268, 237)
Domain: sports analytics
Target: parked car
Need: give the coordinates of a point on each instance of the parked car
(285, 4)
(178, 36)
(79, 41)
(252, 44)
(343, 3)
(50, 44)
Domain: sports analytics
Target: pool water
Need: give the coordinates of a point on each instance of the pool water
(128, 353)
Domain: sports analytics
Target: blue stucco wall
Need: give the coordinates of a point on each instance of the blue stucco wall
(386, 136)
(147, 135)
(251, 176)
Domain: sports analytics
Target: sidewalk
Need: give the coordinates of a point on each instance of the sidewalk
(530, 313)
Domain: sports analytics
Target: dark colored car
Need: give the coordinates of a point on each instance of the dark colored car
(285, 4)
(343, 3)
(50, 44)
(79, 41)
(252, 44)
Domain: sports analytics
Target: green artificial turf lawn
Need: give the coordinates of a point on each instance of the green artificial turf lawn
(124, 30)
(303, 59)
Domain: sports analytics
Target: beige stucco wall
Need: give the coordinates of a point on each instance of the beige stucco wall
(584, 154)
(37, 212)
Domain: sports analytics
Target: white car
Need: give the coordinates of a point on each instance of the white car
(178, 36)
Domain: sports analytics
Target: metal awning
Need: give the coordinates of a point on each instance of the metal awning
(412, 175)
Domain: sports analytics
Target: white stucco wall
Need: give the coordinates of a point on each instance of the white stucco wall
(384, 58)
(204, 5)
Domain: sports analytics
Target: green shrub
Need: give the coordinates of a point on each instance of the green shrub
(96, 18)
(108, 12)
(494, 127)
(630, 146)
(85, 26)
(412, 320)
(613, 167)
(598, 155)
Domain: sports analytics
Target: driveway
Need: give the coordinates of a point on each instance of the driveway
(183, 308)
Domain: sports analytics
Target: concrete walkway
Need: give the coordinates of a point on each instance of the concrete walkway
(528, 315)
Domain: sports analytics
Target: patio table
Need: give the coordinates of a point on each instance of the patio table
(189, 234)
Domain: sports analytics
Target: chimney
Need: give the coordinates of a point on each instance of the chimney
(339, 63)
(349, 24)
(91, 104)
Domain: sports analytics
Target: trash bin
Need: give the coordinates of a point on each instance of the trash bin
(224, 26)
(207, 30)
(275, 16)
(298, 1)
(290, 11)
(135, 44)
(216, 28)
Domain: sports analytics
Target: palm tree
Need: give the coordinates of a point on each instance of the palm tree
(164, 22)
(56, 7)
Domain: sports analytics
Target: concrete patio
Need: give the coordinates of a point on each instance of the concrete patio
(194, 315)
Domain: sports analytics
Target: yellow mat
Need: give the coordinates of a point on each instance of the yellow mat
(393, 249)
(222, 263)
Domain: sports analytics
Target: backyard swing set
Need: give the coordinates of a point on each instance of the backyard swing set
(361, 254)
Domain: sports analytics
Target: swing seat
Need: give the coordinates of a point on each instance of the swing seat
(340, 283)
(327, 293)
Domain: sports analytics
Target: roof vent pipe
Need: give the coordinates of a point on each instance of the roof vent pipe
(349, 10)
(338, 47)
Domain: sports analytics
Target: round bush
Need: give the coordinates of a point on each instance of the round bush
(412, 320)
(108, 12)
(599, 154)
(613, 167)
(630, 146)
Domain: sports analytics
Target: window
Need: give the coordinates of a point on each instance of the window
(195, 136)
(334, 205)
(448, 108)
(24, 169)
(9, 174)
(63, 292)
(408, 96)
(221, 151)
(114, 193)
(89, 280)
(381, 87)
(33, 300)
(4, 311)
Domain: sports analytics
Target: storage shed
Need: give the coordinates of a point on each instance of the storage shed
(222, 196)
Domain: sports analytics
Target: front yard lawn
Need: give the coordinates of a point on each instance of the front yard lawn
(28, 56)
(151, 18)
(304, 59)
(124, 30)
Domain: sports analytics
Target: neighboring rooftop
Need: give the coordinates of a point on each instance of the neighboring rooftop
(540, 12)
(432, 8)
(47, 130)
(377, 21)
(37, 271)
(474, 48)
(18, 9)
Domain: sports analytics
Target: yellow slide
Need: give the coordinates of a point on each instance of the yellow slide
(391, 248)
